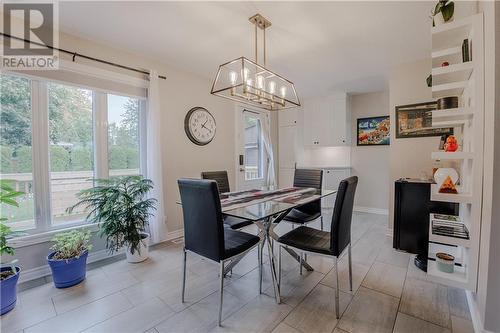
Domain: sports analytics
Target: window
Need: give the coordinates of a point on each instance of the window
(123, 135)
(16, 149)
(55, 139)
(70, 148)
(253, 148)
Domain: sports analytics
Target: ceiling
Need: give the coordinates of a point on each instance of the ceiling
(321, 46)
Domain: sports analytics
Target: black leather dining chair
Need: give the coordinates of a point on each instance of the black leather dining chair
(222, 181)
(331, 244)
(311, 211)
(204, 233)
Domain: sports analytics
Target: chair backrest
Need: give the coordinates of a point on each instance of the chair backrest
(309, 178)
(340, 235)
(220, 177)
(203, 225)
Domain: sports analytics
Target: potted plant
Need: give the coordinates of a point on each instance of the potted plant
(121, 208)
(9, 273)
(443, 12)
(68, 261)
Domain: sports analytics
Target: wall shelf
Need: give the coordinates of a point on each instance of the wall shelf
(458, 155)
(453, 114)
(449, 89)
(449, 123)
(452, 73)
(451, 34)
(461, 197)
(453, 55)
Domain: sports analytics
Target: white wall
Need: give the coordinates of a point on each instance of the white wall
(370, 164)
(409, 157)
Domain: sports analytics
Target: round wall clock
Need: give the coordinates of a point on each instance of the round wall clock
(200, 126)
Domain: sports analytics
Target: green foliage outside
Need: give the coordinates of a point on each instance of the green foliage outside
(71, 244)
(70, 129)
(59, 159)
(24, 159)
(81, 159)
(6, 159)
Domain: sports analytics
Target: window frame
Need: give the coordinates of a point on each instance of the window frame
(43, 219)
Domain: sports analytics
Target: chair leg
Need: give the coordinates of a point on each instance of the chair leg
(301, 260)
(221, 291)
(337, 294)
(279, 269)
(321, 217)
(184, 275)
(259, 254)
(350, 266)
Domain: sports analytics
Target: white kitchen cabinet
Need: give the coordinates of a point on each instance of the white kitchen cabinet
(331, 180)
(326, 121)
(287, 145)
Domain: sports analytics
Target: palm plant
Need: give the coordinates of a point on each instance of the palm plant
(8, 197)
(121, 207)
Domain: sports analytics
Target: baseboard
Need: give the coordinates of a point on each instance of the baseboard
(42, 271)
(474, 313)
(371, 210)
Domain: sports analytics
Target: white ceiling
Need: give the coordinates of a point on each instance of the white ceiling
(321, 46)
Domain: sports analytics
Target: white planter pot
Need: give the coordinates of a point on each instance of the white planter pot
(143, 252)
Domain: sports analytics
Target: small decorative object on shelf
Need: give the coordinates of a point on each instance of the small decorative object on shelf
(435, 167)
(445, 262)
(448, 187)
(445, 63)
(443, 12)
(451, 144)
(429, 80)
(449, 102)
(446, 178)
(465, 50)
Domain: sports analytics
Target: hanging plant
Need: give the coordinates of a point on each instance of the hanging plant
(443, 12)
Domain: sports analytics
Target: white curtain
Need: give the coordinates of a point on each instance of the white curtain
(157, 226)
(266, 133)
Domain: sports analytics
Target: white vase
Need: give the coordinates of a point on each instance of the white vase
(143, 252)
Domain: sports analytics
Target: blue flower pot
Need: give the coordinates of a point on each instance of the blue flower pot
(67, 273)
(8, 290)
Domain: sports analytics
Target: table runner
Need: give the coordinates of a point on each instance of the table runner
(292, 195)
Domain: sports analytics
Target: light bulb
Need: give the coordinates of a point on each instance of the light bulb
(249, 82)
(260, 82)
(283, 91)
(245, 73)
(272, 87)
(233, 76)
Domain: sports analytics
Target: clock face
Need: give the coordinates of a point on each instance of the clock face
(200, 126)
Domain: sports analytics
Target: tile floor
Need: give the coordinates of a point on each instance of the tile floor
(390, 295)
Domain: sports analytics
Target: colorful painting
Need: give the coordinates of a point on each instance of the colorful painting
(374, 131)
(415, 120)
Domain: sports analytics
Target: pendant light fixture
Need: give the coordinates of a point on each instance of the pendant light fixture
(249, 82)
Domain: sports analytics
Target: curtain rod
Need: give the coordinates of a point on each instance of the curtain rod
(76, 54)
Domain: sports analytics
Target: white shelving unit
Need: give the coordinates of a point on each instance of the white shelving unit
(465, 80)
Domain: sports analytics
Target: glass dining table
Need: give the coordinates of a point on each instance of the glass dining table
(266, 208)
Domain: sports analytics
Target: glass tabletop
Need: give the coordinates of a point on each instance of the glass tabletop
(261, 210)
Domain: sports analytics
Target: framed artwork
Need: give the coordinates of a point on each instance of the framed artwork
(374, 131)
(415, 120)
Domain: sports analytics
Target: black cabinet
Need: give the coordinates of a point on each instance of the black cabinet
(412, 206)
